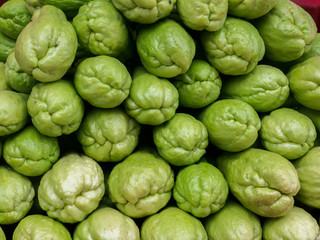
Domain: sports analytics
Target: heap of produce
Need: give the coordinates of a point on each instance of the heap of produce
(159, 120)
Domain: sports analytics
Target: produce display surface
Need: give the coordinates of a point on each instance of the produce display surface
(159, 120)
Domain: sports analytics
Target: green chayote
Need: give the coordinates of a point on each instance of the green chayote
(36, 227)
(165, 48)
(287, 31)
(297, 224)
(232, 124)
(265, 88)
(308, 172)
(13, 112)
(16, 197)
(55, 108)
(101, 29)
(287, 132)
(107, 223)
(47, 46)
(235, 49)
(200, 189)
(203, 15)
(6, 47)
(14, 16)
(144, 11)
(172, 223)
(17, 79)
(304, 78)
(103, 81)
(182, 140)
(108, 135)
(151, 100)
(250, 9)
(199, 86)
(141, 184)
(233, 222)
(72, 188)
(263, 181)
(29, 152)
(314, 50)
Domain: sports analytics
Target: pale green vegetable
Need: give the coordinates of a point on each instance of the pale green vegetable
(287, 132)
(107, 223)
(141, 184)
(47, 45)
(55, 108)
(172, 223)
(297, 224)
(13, 112)
(200, 189)
(16, 197)
(232, 124)
(30, 152)
(108, 135)
(233, 222)
(36, 227)
(72, 188)
(264, 182)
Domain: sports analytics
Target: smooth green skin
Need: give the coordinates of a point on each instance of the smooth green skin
(264, 182)
(29, 152)
(103, 81)
(165, 48)
(35, 227)
(2, 235)
(200, 189)
(6, 47)
(314, 115)
(308, 172)
(250, 9)
(314, 50)
(17, 79)
(14, 16)
(17, 195)
(151, 100)
(108, 135)
(13, 112)
(235, 49)
(199, 86)
(72, 188)
(95, 35)
(3, 80)
(55, 108)
(144, 11)
(47, 46)
(287, 132)
(107, 223)
(141, 184)
(182, 140)
(287, 31)
(265, 88)
(232, 124)
(298, 224)
(233, 222)
(304, 79)
(200, 15)
(172, 223)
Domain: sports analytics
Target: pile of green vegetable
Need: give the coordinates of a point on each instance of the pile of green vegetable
(168, 119)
